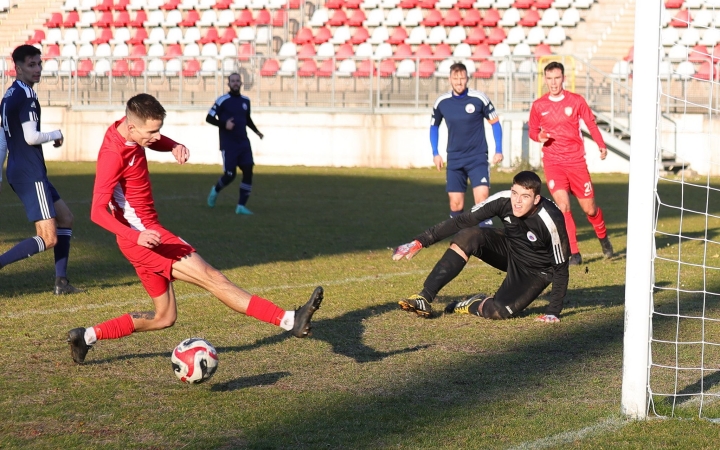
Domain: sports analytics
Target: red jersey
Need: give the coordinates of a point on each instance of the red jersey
(122, 196)
(561, 119)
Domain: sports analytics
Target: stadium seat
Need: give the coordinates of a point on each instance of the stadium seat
(485, 70)
(122, 19)
(408, 4)
(456, 35)
(191, 18)
(71, 5)
(394, 18)
(326, 50)
(433, 19)
(50, 67)
(464, 4)
(120, 50)
(246, 34)
(699, 53)
(426, 69)
(87, 36)
(287, 50)
(188, 4)
(68, 51)
(346, 68)
(423, 51)
(209, 49)
(462, 51)
(570, 18)
(674, 4)
(136, 52)
(535, 36)
(443, 69)
(139, 20)
(119, 5)
(103, 5)
(477, 36)
(510, 18)
(379, 35)
(413, 18)
(228, 35)
(405, 68)
(523, 4)
(53, 36)
(101, 68)
(426, 4)
(364, 69)
(172, 51)
(103, 51)
(685, 70)
(338, 18)
(681, 19)
(364, 50)
(71, 19)
(481, 52)
(669, 36)
(37, 38)
(84, 68)
(402, 51)
(353, 4)
(386, 68)
(308, 68)
(583, 4)
(710, 37)
(621, 70)
(156, 35)
(172, 19)
(368, 5)
(437, 35)
(445, 4)
(170, 5)
(245, 52)
(515, 36)
(55, 20)
(550, 18)
(341, 35)
(555, 36)
(70, 36)
(383, 51)
(279, 18)
(471, 18)
(522, 50)
(86, 51)
(208, 67)
(154, 19)
(139, 37)
(306, 51)
(52, 51)
(334, 4)
(211, 36)
(319, 18)
(344, 51)
(398, 36)
(501, 50)
(322, 35)
(677, 52)
(630, 54)
(542, 50)
(155, 68)
(530, 18)
(442, 51)
(226, 18)
(418, 35)
(375, 18)
(361, 35)
(496, 36)
(288, 68)
(88, 19)
(491, 18)
(690, 37)
(67, 67)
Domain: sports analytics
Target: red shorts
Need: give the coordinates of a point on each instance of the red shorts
(154, 265)
(572, 179)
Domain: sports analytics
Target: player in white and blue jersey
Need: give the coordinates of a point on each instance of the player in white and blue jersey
(26, 171)
(463, 110)
(231, 114)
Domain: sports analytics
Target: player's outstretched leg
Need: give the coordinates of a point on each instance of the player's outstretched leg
(418, 304)
(78, 347)
(469, 306)
(303, 315)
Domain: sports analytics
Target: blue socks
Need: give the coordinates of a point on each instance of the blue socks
(22, 250)
(62, 251)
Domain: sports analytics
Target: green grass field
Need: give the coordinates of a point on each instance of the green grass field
(371, 377)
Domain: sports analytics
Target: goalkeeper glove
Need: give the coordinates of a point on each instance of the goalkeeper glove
(548, 318)
(407, 250)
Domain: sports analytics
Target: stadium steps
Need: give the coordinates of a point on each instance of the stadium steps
(19, 22)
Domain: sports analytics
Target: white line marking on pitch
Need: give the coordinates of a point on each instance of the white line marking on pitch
(607, 425)
(28, 313)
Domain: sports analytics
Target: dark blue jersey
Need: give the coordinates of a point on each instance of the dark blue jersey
(464, 116)
(26, 163)
(236, 107)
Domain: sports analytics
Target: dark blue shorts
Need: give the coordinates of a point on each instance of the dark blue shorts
(237, 158)
(456, 178)
(38, 198)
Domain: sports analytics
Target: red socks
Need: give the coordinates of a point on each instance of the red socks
(570, 226)
(115, 328)
(598, 222)
(264, 310)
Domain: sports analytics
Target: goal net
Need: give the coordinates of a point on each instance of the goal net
(671, 365)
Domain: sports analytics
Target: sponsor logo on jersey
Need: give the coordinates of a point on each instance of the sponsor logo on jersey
(568, 111)
(531, 237)
(551, 184)
(132, 161)
(469, 108)
(545, 113)
(9, 92)
(507, 219)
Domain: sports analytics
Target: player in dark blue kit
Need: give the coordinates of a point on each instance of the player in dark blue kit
(467, 151)
(231, 114)
(26, 171)
(532, 248)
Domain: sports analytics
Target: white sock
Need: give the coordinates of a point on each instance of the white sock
(288, 321)
(90, 337)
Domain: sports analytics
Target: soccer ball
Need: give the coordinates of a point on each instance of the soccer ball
(194, 360)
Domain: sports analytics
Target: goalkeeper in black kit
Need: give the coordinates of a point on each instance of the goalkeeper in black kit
(533, 249)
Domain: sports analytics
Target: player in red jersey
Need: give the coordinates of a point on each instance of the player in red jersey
(555, 122)
(123, 204)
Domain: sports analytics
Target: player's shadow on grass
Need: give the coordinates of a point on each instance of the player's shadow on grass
(691, 391)
(265, 379)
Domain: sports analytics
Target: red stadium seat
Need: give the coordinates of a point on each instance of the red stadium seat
(542, 50)
(433, 19)
(171, 5)
(294, 4)
(530, 19)
(191, 68)
(190, 19)
(491, 18)
(716, 53)
(682, 19)
(402, 51)
(543, 4)
(426, 68)
(137, 52)
(106, 35)
(304, 35)
(338, 18)
(120, 5)
(122, 19)
(105, 20)
(465, 4)
(705, 71)
(172, 51)
(442, 51)
(361, 35)
(387, 68)
(84, 67)
(452, 18)
(308, 68)
(699, 54)
(398, 36)
(37, 37)
(139, 37)
(357, 18)
(55, 20)
(630, 54)
(71, 19)
(334, 4)
(244, 19)
(407, 4)
(211, 36)
(364, 69)
(120, 68)
(104, 5)
(245, 52)
(269, 68)
(306, 51)
(263, 17)
(477, 36)
(139, 19)
(427, 4)
(326, 69)
(279, 18)
(423, 51)
(353, 4)
(52, 51)
(674, 4)
(496, 36)
(323, 35)
(137, 67)
(471, 19)
(229, 34)
(485, 70)
(345, 51)
(523, 4)
(482, 52)
(223, 4)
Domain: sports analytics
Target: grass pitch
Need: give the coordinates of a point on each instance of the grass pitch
(371, 377)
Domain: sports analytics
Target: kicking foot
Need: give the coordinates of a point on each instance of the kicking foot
(241, 209)
(78, 347)
(303, 314)
(212, 197)
(417, 304)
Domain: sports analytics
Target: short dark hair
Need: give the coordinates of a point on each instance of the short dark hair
(458, 67)
(235, 73)
(528, 180)
(144, 107)
(555, 65)
(22, 52)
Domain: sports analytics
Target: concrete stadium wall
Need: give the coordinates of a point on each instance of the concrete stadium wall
(390, 140)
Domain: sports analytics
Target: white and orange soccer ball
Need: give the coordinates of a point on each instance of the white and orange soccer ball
(194, 360)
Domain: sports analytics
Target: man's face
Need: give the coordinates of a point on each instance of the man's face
(554, 81)
(29, 71)
(146, 133)
(523, 200)
(234, 83)
(458, 81)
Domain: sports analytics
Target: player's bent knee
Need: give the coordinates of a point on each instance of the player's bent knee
(468, 240)
(491, 310)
